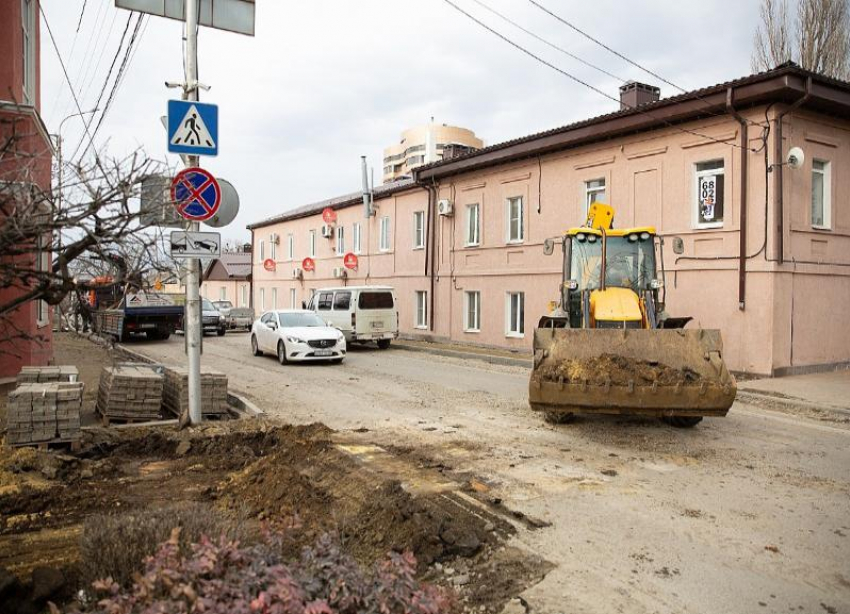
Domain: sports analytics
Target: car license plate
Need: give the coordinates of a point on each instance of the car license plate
(324, 352)
(377, 324)
(147, 325)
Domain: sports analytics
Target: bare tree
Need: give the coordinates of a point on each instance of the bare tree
(818, 38)
(48, 244)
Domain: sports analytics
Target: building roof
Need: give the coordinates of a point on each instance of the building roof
(785, 83)
(339, 202)
(230, 266)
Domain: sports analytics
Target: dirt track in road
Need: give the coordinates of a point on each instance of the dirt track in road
(743, 514)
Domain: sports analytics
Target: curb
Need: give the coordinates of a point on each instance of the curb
(756, 397)
(488, 358)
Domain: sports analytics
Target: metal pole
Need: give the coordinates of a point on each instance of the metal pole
(193, 301)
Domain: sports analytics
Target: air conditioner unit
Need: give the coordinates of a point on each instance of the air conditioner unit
(445, 207)
(327, 231)
(274, 238)
(297, 273)
(340, 273)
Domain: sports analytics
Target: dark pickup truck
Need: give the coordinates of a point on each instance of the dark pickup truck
(154, 315)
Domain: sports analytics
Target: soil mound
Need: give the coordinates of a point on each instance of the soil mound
(618, 370)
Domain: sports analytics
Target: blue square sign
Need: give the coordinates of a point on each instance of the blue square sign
(192, 128)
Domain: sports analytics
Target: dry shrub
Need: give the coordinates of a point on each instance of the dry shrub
(116, 546)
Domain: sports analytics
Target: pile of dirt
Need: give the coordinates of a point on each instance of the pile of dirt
(618, 371)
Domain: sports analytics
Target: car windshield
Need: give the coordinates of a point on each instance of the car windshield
(629, 264)
(291, 320)
(207, 305)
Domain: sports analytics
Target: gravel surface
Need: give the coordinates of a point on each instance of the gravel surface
(747, 513)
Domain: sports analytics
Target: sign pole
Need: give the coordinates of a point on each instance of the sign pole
(193, 295)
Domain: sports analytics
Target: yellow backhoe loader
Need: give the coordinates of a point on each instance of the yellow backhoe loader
(608, 346)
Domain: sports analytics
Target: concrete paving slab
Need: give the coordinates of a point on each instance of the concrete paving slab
(826, 389)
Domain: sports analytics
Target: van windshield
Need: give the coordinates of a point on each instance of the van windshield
(376, 300)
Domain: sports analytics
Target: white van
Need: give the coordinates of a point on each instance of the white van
(362, 313)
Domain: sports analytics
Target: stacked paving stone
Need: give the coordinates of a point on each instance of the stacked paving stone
(44, 413)
(213, 392)
(130, 392)
(41, 375)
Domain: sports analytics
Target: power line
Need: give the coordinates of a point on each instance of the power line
(82, 12)
(546, 42)
(94, 73)
(585, 83)
(68, 80)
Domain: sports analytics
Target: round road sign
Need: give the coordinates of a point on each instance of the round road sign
(196, 194)
(229, 207)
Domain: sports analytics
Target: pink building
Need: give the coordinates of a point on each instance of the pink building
(768, 262)
(228, 278)
(25, 157)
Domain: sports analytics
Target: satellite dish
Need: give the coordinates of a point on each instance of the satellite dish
(795, 157)
(229, 207)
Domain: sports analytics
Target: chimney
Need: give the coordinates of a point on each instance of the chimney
(634, 94)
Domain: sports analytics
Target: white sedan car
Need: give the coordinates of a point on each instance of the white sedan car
(296, 335)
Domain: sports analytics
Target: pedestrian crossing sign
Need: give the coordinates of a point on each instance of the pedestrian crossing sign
(192, 128)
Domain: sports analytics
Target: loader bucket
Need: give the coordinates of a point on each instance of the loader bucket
(656, 372)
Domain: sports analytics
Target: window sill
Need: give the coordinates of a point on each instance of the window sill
(515, 335)
(472, 245)
(418, 248)
(421, 327)
(822, 228)
(515, 242)
(42, 323)
(384, 251)
(474, 331)
(712, 226)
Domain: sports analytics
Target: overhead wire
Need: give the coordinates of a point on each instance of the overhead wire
(84, 63)
(585, 83)
(103, 49)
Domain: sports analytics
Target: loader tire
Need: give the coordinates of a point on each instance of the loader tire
(558, 417)
(682, 422)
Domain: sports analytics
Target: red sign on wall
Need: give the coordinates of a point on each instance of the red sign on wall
(269, 265)
(329, 215)
(308, 264)
(350, 261)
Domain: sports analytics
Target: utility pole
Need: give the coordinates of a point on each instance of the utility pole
(193, 324)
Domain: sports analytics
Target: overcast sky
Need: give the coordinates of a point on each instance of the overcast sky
(325, 81)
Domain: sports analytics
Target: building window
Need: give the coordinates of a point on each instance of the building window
(340, 241)
(28, 55)
(515, 314)
(821, 195)
(273, 246)
(290, 246)
(473, 225)
(292, 298)
(515, 221)
(472, 312)
(312, 244)
(274, 298)
(418, 230)
(262, 299)
(384, 242)
(421, 309)
(244, 301)
(262, 251)
(709, 194)
(594, 191)
(356, 238)
(222, 294)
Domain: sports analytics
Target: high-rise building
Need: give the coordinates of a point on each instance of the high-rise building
(425, 144)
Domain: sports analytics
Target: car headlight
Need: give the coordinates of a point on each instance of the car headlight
(295, 340)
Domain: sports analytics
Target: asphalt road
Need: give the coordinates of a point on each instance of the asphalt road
(749, 513)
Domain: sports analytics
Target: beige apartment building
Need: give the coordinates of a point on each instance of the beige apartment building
(426, 144)
(462, 242)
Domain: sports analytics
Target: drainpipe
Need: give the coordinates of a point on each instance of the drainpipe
(251, 282)
(742, 247)
(430, 258)
(778, 184)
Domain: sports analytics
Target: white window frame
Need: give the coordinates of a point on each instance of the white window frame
(340, 241)
(274, 298)
(473, 233)
(509, 203)
(293, 298)
(312, 244)
(28, 28)
(222, 293)
(262, 299)
(262, 251)
(290, 246)
(420, 298)
(273, 249)
(514, 323)
(591, 193)
(470, 298)
(355, 238)
(418, 230)
(826, 173)
(42, 263)
(384, 242)
(244, 297)
(695, 206)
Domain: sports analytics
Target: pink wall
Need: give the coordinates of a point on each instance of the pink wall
(650, 180)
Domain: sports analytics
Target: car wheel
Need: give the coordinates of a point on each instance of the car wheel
(383, 343)
(221, 332)
(255, 348)
(281, 352)
(682, 422)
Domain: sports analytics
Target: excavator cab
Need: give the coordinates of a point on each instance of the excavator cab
(609, 346)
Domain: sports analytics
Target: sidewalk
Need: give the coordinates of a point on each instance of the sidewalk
(490, 355)
(826, 390)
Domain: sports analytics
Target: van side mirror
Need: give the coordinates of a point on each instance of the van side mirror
(549, 247)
